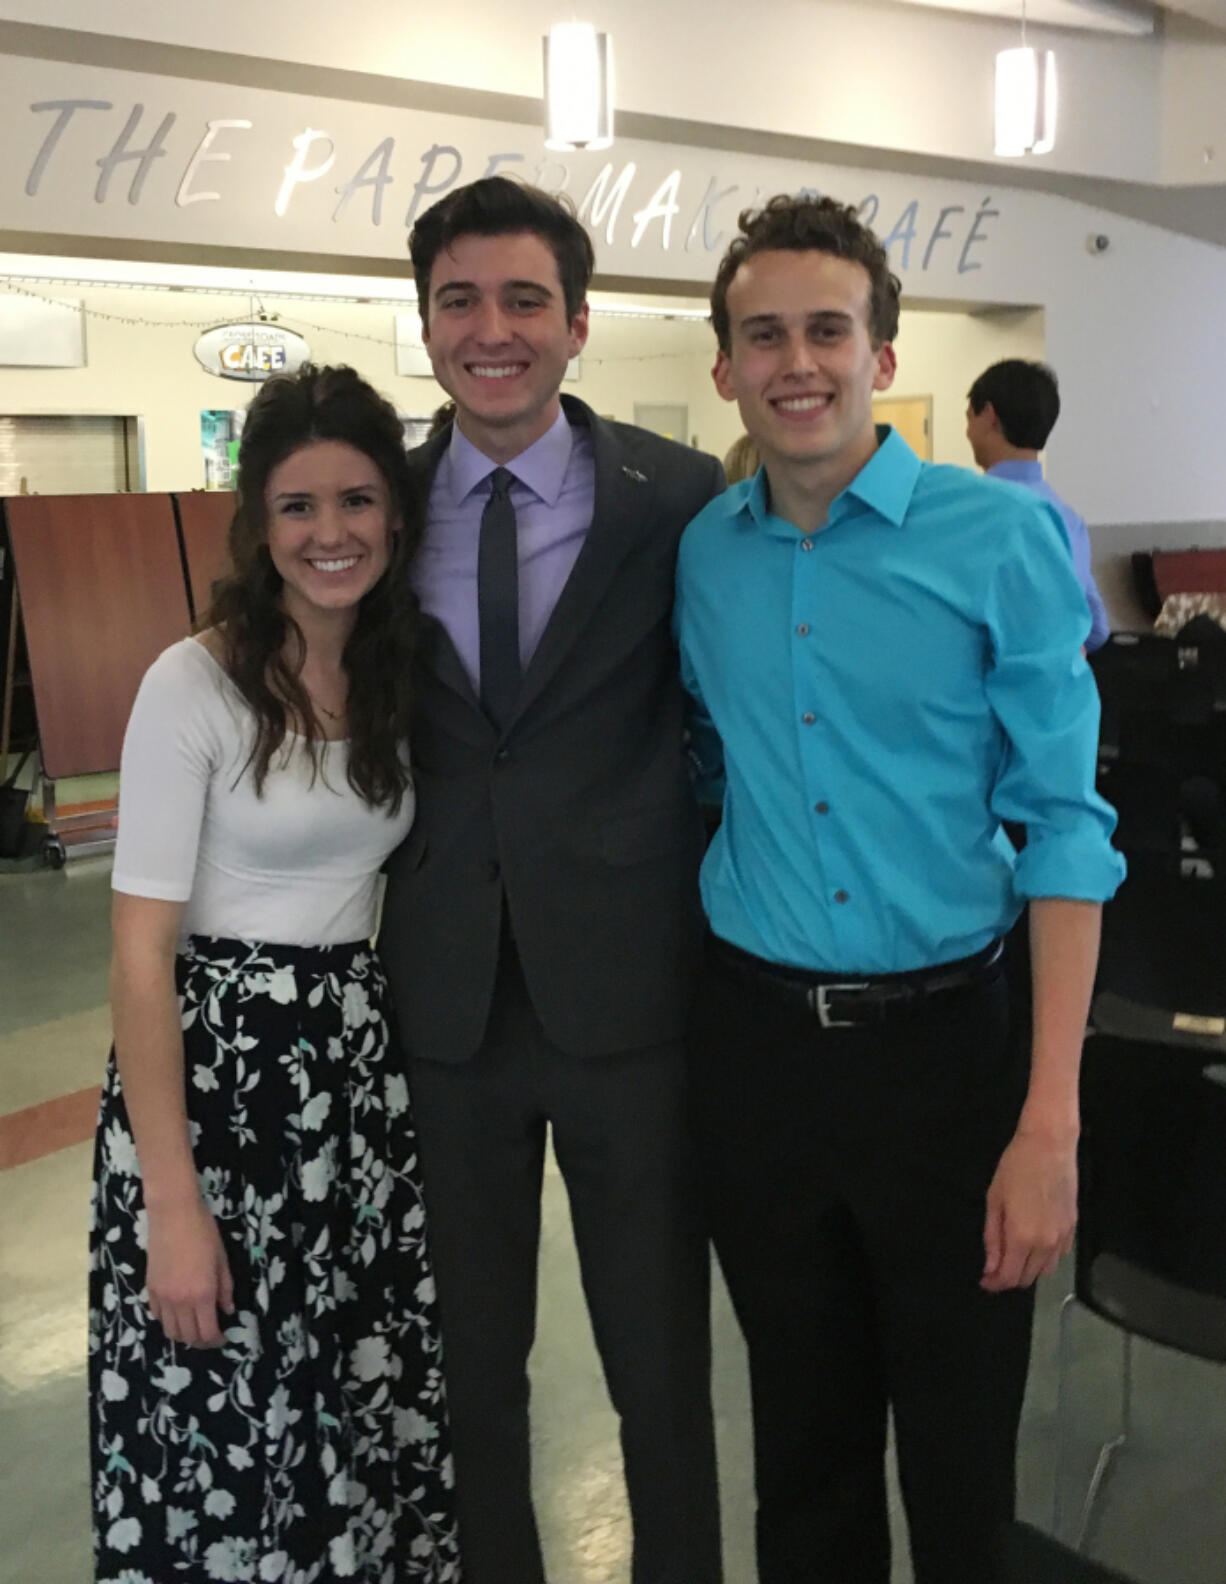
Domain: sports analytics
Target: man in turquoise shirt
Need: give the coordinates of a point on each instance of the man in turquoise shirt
(885, 659)
(1011, 410)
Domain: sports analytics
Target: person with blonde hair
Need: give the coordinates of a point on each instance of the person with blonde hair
(743, 460)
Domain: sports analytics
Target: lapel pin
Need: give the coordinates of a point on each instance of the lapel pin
(633, 473)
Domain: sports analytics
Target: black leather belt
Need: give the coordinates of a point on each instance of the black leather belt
(839, 1002)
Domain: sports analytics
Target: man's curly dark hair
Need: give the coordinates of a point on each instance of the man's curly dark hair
(798, 225)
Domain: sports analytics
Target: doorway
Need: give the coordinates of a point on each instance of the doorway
(912, 417)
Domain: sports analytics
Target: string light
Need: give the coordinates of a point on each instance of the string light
(256, 314)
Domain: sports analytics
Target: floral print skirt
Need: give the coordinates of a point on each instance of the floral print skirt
(313, 1446)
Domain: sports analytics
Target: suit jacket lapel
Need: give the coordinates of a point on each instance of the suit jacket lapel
(620, 516)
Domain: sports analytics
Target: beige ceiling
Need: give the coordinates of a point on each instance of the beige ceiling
(1211, 11)
(1106, 16)
(1110, 16)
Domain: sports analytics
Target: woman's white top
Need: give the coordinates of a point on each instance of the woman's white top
(296, 866)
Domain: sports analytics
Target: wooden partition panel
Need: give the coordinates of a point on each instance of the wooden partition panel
(204, 517)
(102, 594)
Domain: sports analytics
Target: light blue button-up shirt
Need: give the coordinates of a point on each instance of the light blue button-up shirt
(1030, 476)
(886, 691)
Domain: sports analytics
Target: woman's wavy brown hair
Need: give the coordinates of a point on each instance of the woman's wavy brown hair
(262, 646)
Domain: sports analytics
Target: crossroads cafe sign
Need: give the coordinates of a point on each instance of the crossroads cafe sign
(251, 351)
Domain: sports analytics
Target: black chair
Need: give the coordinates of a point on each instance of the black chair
(1137, 674)
(1147, 798)
(1164, 938)
(1128, 661)
(1164, 699)
(1201, 645)
(1029, 1557)
(1151, 1238)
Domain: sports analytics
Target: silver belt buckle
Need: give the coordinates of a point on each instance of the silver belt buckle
(819, 1002)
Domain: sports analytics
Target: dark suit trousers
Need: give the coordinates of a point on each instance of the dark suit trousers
(845, 1172)
(620, 1137)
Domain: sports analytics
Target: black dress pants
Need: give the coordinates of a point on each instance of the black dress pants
(620, 1134)
(845, 1173)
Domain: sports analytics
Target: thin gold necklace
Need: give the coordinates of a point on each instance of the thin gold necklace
(335, 715)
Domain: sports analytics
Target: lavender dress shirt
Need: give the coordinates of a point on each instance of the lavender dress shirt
(554, 495)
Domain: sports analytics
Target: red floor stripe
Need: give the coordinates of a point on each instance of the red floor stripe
(54, 1125)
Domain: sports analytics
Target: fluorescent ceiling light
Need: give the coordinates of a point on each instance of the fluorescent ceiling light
(642, 311)
(1025, 102)
(578, 87)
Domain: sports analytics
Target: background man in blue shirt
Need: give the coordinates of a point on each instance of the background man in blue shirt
(1011, 410)
(885, 658)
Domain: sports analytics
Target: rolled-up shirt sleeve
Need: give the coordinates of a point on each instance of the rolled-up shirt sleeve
(169, 752)
(1044, 696)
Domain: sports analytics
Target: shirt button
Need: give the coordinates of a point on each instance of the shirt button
(823, 807)
(808, 717)
(806, 544)
(841, 896)
(803, 629)
(503, 757)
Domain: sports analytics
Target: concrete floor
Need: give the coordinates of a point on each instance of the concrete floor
(1162, 1517)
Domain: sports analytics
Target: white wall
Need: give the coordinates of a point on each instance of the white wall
(1193, 107)
(1139, 338)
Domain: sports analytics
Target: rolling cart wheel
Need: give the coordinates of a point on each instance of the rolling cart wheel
(54, 854)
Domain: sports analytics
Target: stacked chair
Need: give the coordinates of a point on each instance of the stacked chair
(1151, 1242)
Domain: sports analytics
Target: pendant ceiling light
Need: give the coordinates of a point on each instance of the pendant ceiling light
(1025, 99)
(578, 87)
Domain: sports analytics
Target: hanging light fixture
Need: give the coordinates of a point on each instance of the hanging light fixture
(578, 87)
(1025, 99)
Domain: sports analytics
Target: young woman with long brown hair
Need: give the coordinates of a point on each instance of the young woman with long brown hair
(266, 1386)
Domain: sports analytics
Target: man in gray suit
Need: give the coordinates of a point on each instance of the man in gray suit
(542, 924)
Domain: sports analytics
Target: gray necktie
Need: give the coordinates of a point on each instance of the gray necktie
(498, 601)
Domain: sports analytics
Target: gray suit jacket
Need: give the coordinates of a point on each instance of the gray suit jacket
(580, 810)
